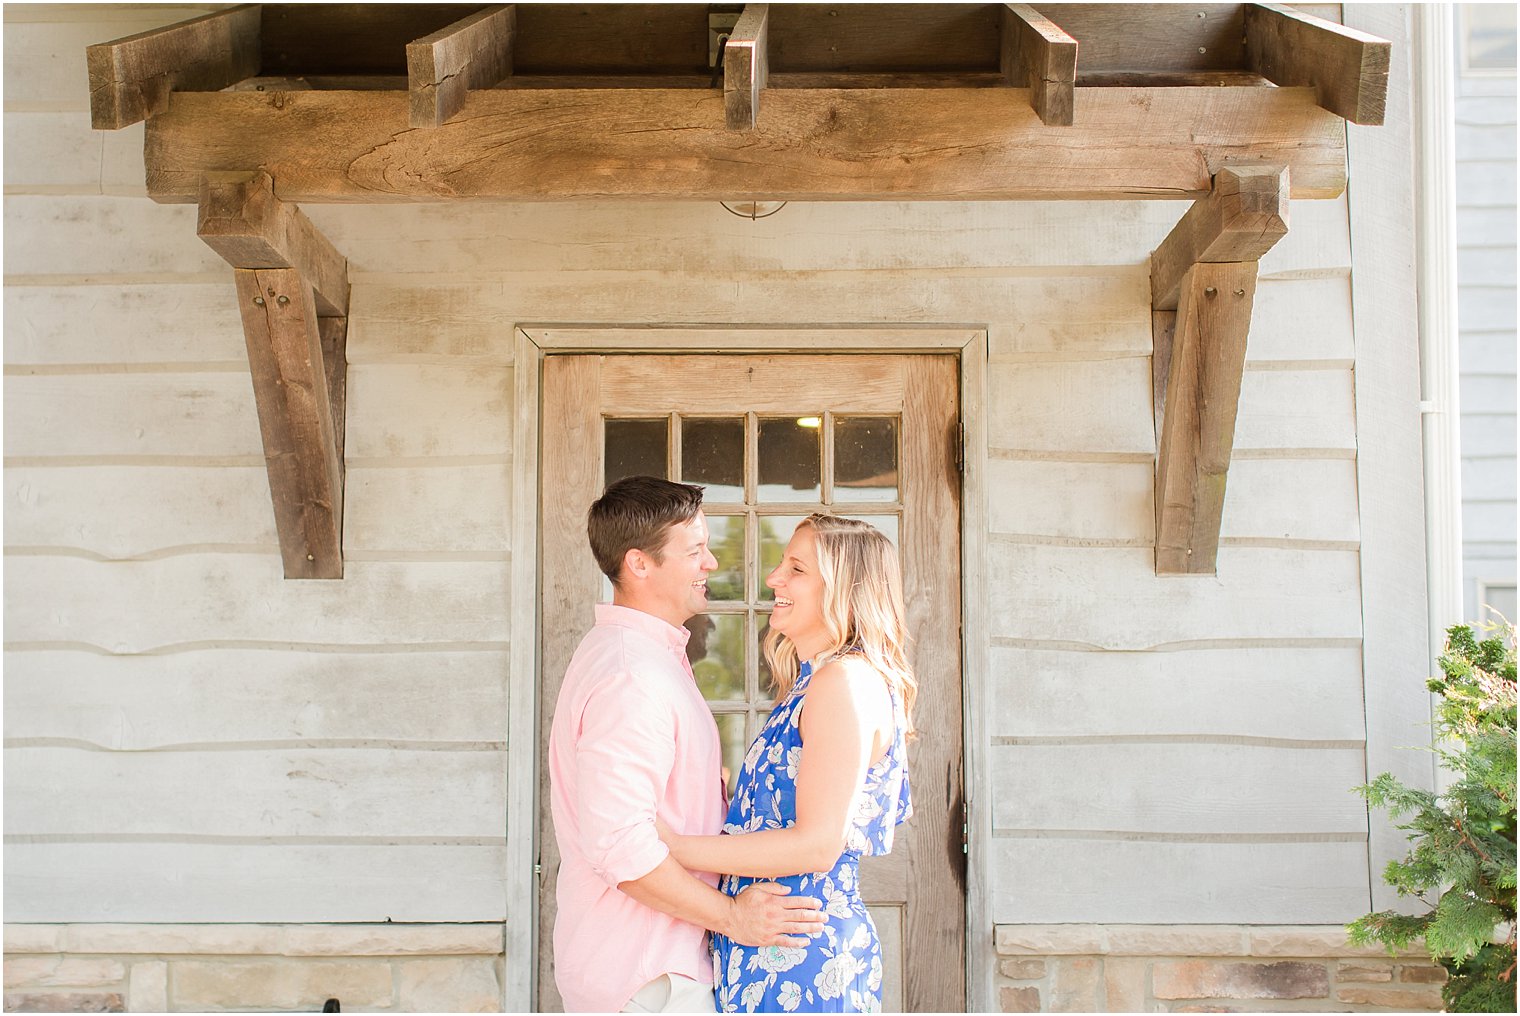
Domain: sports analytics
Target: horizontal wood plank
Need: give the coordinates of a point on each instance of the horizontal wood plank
(135, 511)
(139, 606)
(265, 792)
(1312, 694)
(1111, 502)
(145, 323)
(1111, 597)
(131, 78)
(1309, 410)
(759, 384)
(200, 882)
(427, 410)
(1177, 788)
(1124, 882)
(945, 143)
(226, 696)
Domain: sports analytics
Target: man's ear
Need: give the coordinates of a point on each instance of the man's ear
(636, 564)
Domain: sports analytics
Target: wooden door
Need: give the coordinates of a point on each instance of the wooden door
(774, 438)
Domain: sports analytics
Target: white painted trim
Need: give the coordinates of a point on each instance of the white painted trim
(521, 928)
(971, 343)
(1436, 194)
(976, 669)
(1396, 651)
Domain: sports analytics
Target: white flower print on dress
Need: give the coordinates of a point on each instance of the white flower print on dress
(775, 958)
(836, 975)
(753, 993)
(789, 995)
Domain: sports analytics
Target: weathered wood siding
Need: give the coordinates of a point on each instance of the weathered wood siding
(1485, 139)
(192, 738)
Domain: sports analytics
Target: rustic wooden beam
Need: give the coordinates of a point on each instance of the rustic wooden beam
(444, 67)
(1203, 393)
(887, 144)
(1038, 56)
(1242, 217)
(1348, 67)
(744, 67)
(242, 220)
(293, 389)
(131, 78)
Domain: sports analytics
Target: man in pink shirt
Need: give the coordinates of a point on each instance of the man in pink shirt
(632, 739)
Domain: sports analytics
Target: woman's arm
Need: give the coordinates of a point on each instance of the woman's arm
(840, 718)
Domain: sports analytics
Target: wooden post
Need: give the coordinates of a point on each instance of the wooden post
(1348, 67)
(443, 67)
(1203, 280)
(287, 275)
(1203, 393)
(293, 389)
(1039, 56)
(745, 66)
(131, 78)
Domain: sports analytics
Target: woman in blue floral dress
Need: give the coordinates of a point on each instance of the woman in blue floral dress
(826, 781)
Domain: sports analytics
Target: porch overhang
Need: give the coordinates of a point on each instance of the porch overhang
(1235, 106)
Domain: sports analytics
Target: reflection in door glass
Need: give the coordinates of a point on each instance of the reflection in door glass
(789, 457)
(735, 741)
(725, 538)
(886, 523)
(634, 448)
(775, 531)
(716, 652)
(865, 458)
(712, 454)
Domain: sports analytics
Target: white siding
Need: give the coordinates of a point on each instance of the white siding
(1485, 140)
(192, 738)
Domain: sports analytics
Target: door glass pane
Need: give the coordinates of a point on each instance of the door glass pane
(716, 651)
(767, 683)
(635, 448)
(789, 456)
(886, 523)
(712, 454)
(865, 458)
(732, 735)
(725, 538)
(775, 531)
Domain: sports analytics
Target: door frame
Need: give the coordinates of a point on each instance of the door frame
(531, 343)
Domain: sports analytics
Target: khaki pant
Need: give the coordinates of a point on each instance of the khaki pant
(672, 993)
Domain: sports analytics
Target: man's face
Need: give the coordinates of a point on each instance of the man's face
(678, 582)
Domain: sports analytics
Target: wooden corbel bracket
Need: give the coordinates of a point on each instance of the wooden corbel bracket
(292, 291)
(1203, 281)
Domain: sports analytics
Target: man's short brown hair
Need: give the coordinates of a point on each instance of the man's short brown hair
(635, 513)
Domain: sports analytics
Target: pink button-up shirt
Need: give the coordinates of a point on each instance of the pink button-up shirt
(631, 739)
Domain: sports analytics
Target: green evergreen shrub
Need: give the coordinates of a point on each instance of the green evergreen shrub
(1463, 840)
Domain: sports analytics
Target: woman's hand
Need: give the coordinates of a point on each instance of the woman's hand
(670, 838)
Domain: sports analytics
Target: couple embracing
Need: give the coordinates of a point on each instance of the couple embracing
(653, 856)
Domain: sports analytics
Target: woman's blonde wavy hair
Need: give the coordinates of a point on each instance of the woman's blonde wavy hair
(863, 609)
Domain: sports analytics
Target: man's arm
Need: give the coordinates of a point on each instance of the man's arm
(763, 914)
(625, 753)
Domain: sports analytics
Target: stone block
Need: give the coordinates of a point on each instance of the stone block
(1022, 970)
(204, 985)
(1311, 941)
(455, 984)
(1182, 940)
(1124, 983)
(1019, 999)
(394, 940)
(1076, 982)
(32, 938)
(64, 1002)
(1411, 997)
(148, 986)
(175, 939)
(1202, 979)
(1363, 971)
(61, 972)
(1431, 974)
(1051, 939)
(1204, 1008)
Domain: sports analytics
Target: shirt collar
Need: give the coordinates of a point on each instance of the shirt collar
(647, 624)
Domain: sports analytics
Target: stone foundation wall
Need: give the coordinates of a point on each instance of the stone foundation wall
(1205, 968)
(219, 968)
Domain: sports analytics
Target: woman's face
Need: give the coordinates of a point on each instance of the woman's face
(799, 595)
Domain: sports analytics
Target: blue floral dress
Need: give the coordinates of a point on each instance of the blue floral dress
(840, 969)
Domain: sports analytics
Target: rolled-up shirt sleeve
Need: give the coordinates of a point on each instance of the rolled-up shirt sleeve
(624, 753)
